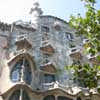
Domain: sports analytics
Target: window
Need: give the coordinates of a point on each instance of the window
(63, 98)
(78, 98)
(69, 36)
(49, 78)
(49, 97)
(21, 70)
(45, 29)
(19, 94)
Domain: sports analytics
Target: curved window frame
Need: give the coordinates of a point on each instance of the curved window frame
(20, 93)
(18, 69)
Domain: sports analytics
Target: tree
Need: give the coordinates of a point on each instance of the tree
(89, 27)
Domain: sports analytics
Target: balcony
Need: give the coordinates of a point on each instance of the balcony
(47, 49)
(48, 67)
(25, 25)
(85, 41)
(93, 59)
(47, 86)
(75, 53)
(22, 42)
(56, 85)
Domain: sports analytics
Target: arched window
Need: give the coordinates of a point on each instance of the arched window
(63, 98)
(21, 71)
(19, 95)
(49, 97)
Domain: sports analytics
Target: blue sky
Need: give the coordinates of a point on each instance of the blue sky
(64, 8)
(12, 10)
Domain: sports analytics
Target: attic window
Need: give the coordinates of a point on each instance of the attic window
(68, 36)
(57, 27)
(45, 29)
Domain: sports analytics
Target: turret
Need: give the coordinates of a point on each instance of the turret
(36, 12)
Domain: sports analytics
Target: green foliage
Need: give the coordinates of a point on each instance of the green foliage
(85, 75)
(89, 27)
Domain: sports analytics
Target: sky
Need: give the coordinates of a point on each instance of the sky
(13, 10)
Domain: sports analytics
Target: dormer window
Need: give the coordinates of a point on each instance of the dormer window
(21, 72)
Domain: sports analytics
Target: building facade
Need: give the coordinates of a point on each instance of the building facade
(33, 56)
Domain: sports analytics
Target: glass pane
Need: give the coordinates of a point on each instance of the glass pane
(15, 75)
(25, 96)
(49, 97)
(16, 95)
(63, 98)
(27, 72)
(49, 78)
(44, 29)
(17, 72)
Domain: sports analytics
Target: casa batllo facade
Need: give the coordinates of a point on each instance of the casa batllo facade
(33, 56)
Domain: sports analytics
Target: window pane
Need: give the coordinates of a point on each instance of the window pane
(49, 78)
(16, 95)
(21, 67)
(49, 97)
(69, 36)
(25, 96)
(63, 98)
(45, 29)
(15, 75)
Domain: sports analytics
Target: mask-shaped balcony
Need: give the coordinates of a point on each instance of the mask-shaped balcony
(48, 67)
(93, 59)
(24, 25)
(23, 42)
(75, 53)
(85, 41)
(47, 49)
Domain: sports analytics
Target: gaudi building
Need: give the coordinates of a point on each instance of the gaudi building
(33, 56)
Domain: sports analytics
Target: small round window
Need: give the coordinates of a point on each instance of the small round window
(21, 72)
